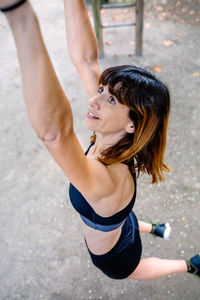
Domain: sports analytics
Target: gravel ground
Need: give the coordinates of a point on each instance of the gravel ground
(42, 250)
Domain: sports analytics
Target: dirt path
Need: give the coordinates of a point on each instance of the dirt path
(42, 251)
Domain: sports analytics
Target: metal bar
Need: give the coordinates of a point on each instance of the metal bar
(118, 25)
(139, 27)
(107, 6)
(97, 25)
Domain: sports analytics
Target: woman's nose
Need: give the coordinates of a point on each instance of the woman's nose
(94, 102)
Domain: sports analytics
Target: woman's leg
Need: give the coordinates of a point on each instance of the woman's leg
(153, 267)
(161, 230)
(144, 227)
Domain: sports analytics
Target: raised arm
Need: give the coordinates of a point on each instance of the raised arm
(48, 107)
(82, 44)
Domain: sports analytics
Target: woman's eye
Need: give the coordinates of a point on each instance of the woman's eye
(111, 100)
(100, 90)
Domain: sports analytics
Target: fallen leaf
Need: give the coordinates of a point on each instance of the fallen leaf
(117, 55)
(184, 9)
(167, 43)
(191, 12)
(131, 54)
(196, 74)
(179, 34)
(116, 17)
(109, 43)
(157, 68)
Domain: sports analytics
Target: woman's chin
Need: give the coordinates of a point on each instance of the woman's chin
(88, 125)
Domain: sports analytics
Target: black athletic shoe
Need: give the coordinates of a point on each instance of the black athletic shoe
(161, 230)
(194, 265)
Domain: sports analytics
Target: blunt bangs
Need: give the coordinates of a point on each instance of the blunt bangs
(136, 87)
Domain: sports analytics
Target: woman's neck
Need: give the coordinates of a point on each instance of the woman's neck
(104, 142)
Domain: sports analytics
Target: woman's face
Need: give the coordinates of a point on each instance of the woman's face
(107, 115)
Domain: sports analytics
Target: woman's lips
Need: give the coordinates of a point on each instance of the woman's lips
(90, 115)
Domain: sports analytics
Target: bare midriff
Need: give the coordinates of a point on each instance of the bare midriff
(99, 242)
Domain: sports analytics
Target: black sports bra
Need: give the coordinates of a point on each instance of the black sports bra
(91, 218)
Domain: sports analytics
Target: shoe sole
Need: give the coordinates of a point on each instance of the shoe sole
(167, 231)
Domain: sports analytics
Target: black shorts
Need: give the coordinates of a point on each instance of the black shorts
(124, 257)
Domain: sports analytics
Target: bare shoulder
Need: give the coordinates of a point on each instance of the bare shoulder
(122, 192)
(102, 184)
(89, 176)
(124, 185)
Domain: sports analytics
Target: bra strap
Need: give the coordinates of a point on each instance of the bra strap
(13, 6)
(88, 149)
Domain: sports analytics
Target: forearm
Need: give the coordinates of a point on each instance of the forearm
(47, 106)
(81, 39)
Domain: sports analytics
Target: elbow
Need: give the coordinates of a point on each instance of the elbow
(58, 127)
(49, 137)
(55, 136)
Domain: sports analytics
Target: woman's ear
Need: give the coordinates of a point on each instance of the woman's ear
(130, 128)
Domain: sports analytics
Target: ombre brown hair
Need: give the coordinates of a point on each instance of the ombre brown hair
(148, 101)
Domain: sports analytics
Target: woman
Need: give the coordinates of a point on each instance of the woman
(128, 111)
